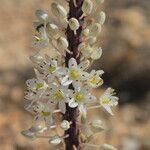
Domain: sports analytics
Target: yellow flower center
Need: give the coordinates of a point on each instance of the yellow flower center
(74, 74)
(39, 86)
(52, 69)
(58, 95)
(93, 80)
(46, 113)
(105, 101)
(79, 97)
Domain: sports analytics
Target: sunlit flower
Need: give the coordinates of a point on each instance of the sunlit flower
(44, 112)
(41, 40)
(80, 97)
(49, 67)
(94, 80)
(108, 100)
(59, 95)
(36, 84)
(74, 73)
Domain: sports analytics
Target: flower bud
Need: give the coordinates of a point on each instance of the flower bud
(100, 17)
(62, 43)
(28, 134)
(65, 125)
(41, 15)
(85, 32)
(107, 147)
(36, 58)
(96, 54)
(37, 128)
(58, 10)
(87, 7)
(55, 140)
(73, 24)
(97, 125)
(91, 40)
(95, 29)
(99, 1)
(52, 29)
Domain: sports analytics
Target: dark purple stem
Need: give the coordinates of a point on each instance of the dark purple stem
(72, 114)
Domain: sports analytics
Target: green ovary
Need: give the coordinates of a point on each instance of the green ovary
(58, 95)
(52, 69)
(105, 101)
(79, 97)
(74, 74)
(39, 86)
(46, 113)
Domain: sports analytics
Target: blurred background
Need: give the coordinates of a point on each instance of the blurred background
(125, 40)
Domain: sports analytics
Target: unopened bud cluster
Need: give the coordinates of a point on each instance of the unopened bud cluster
(48, 92)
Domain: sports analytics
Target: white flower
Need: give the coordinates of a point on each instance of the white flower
(59, 95)
(42, 15)
(36, 84)
(58, 10)
(55, 140)
(49, 67)
(108, 100)
(80, 97)
(100, 17)
(44, 112)
(75, 73)
(87, 7)
(94, 80)
(74, 24)
(41, 40)
(65, 125)
(107, 147)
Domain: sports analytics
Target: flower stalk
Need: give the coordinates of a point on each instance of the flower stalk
(74, 40)
(59, 96)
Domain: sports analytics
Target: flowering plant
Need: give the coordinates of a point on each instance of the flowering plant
(60, 94)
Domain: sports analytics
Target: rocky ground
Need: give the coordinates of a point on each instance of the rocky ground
(125, 41)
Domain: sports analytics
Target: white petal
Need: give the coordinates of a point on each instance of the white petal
(72, 63)
(84, 76)
(65, 81)
(84, 65)
(72, 103)
(108, 108)
(76, 85)
(62, 71)
(62, 106)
